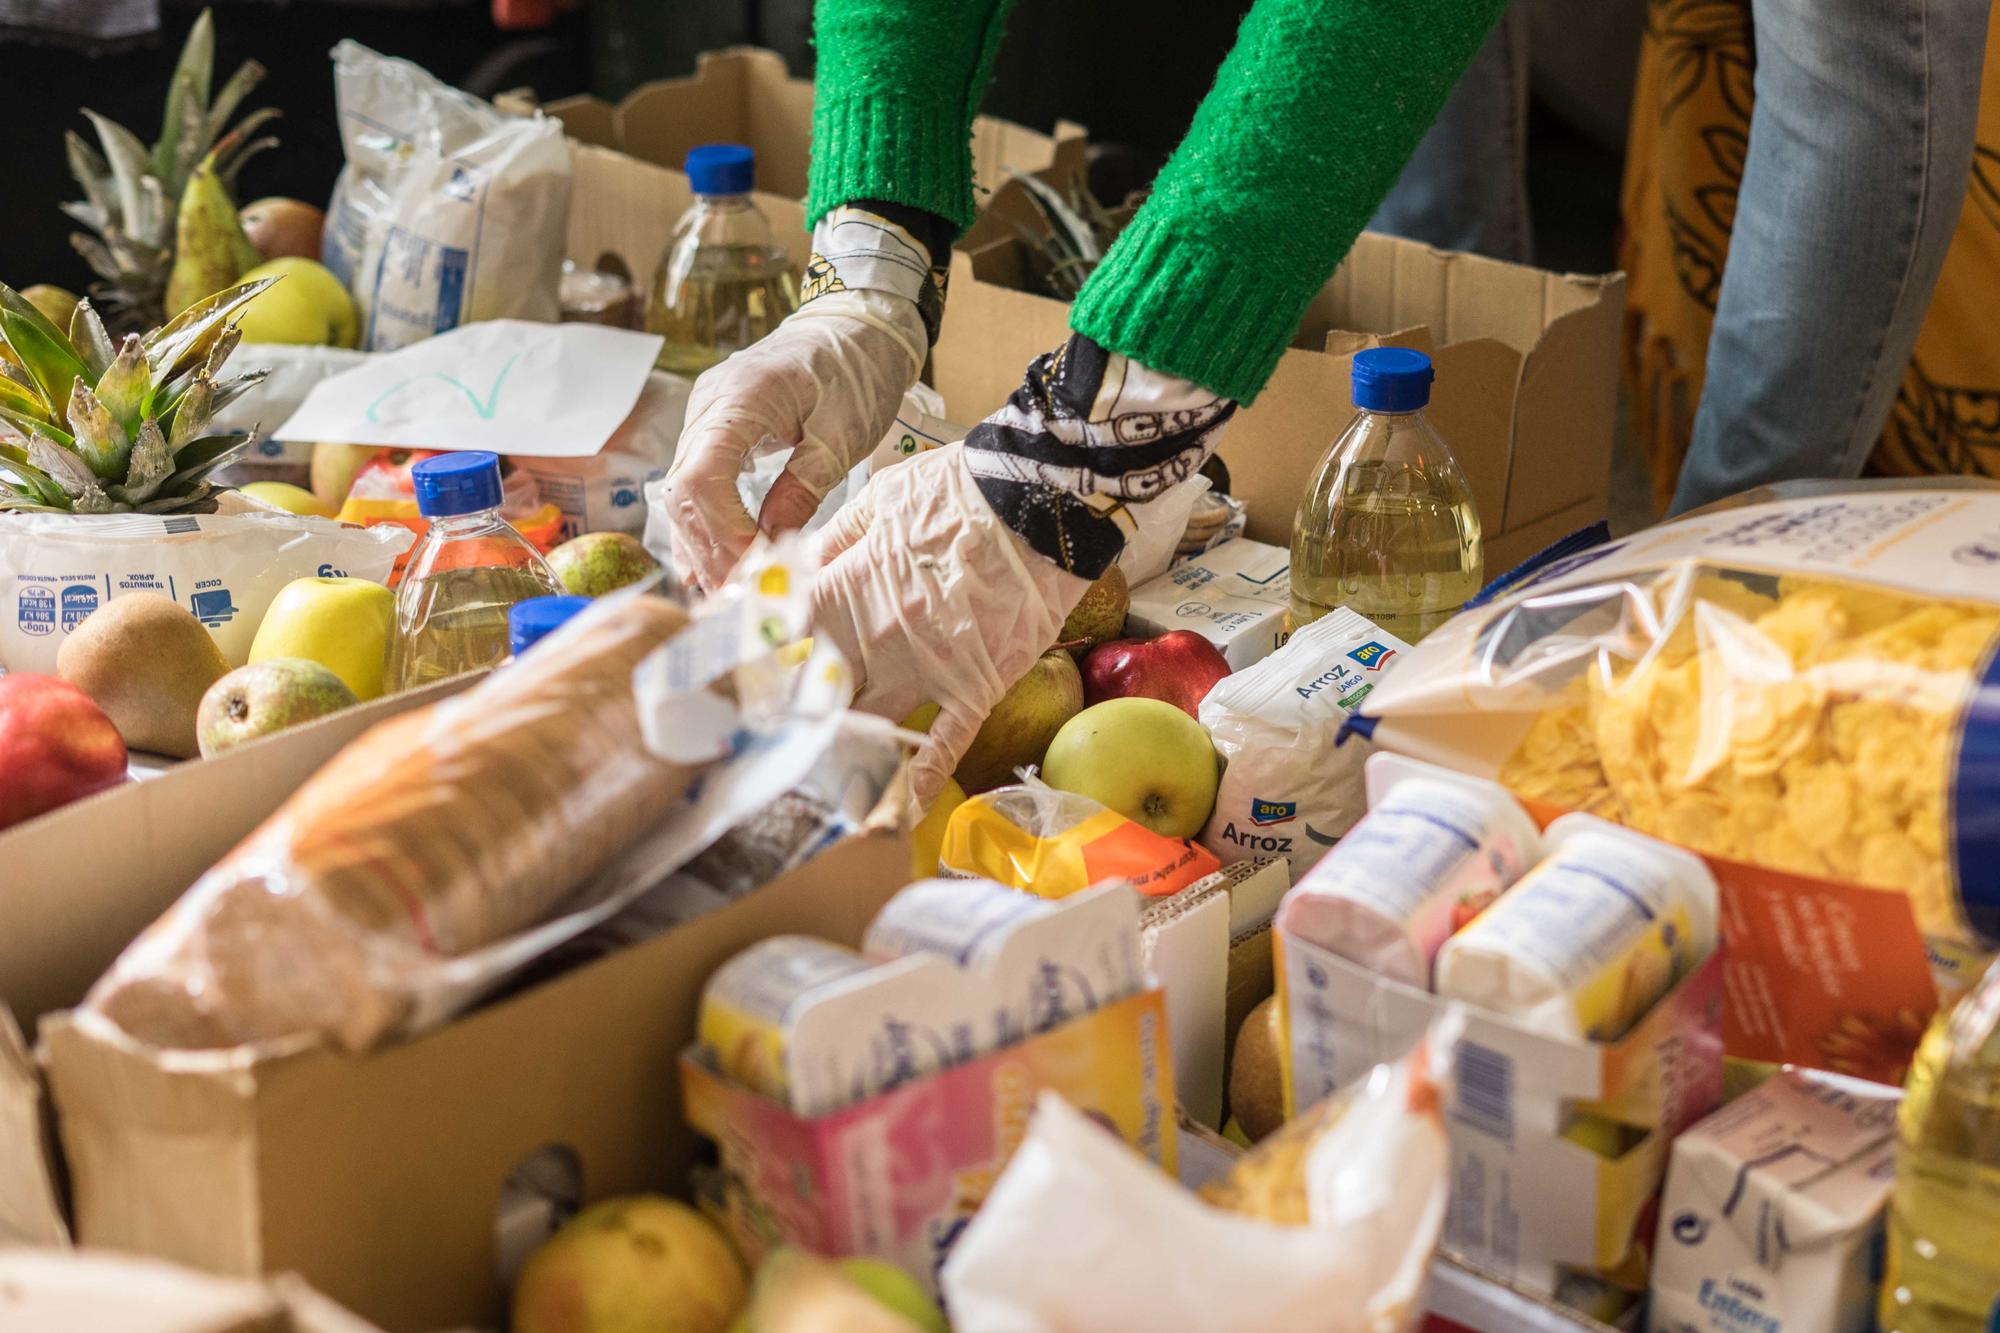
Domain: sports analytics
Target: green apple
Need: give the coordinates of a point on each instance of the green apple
(1145, 759)
(343, 624)
(896, 1289)
(308, 305)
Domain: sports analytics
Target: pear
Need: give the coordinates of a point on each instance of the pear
(210, 250)
(1256, 1075)
(1100, 616)
(631, 1264)
(1018, 730)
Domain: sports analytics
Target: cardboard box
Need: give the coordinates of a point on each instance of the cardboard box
(1528, 1201)
(899, 1175)
(379, 1178)
(1527, 374)
(629, 189)
(83, 880)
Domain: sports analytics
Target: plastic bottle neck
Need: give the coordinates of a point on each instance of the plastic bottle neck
(464, 525)
(723, 200)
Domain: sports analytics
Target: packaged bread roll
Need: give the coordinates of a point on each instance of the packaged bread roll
(432, 835)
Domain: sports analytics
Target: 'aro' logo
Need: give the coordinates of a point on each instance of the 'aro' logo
(1265, 813)
(1373, 656)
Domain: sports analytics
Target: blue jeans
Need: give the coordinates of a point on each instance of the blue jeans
(1466, 186)
(1860, 150)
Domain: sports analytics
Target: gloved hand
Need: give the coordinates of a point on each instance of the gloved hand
(826, 382)
(948, 575)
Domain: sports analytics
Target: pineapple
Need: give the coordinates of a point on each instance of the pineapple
(89, 426)
(131, 193)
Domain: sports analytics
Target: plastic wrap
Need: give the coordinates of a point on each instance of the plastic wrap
(1054, 843)
(1327, 1227)
(435, 834)
(448, 210)
(1807, 684)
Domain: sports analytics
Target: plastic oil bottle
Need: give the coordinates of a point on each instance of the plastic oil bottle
(1943, 1264)
(723, 283)
(1387, 525)
(464, 575)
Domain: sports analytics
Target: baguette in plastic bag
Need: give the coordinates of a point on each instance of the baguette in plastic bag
(433, 835)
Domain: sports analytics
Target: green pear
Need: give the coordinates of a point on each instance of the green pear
(210, 250)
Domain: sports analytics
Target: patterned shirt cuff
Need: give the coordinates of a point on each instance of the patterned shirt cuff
(882, 247)
(1084, 444)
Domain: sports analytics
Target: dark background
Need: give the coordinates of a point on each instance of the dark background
(1130, 70)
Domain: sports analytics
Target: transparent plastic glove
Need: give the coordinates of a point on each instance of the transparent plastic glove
(932, 598)
(827, 382)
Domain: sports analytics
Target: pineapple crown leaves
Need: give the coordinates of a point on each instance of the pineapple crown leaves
(101, 429)
(132, 193)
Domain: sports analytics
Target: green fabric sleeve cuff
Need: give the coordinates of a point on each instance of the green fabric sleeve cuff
(902, 150)
(1186, 306)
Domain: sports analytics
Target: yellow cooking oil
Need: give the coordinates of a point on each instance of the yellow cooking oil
(1387, 526)
(1943, 1263)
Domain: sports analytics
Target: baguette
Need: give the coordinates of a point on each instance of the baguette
(432, 835)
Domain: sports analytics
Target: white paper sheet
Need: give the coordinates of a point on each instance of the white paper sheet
(507, 385)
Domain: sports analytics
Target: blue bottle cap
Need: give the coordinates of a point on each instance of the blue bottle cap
(457, 483)
(537, 617)
(1392, 379)
(721, 168)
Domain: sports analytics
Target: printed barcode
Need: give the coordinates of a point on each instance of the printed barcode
(1485, 1091)
(176, 526)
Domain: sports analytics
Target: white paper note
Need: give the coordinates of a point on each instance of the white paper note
(507, 385)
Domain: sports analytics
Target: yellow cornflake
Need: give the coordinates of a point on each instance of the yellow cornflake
(1811, 732)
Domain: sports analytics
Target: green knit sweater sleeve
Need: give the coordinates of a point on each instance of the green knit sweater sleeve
(1311, 119)
(896, 89)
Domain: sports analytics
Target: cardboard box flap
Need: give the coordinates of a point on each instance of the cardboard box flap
(30, 1207)
(1558, 397)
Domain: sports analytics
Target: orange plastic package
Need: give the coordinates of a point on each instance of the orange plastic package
(1054, 843)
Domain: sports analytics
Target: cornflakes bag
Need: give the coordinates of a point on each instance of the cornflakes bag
(1807, 684)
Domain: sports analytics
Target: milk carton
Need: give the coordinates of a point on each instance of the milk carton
(1236, 596)
(1772, 1216)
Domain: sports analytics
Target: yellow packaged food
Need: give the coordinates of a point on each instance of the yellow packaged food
(1803, 682)
(1054, 843)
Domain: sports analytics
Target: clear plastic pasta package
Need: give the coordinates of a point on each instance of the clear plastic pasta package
(449, 847)
(1797, 683)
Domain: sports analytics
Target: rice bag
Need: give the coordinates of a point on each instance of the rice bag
(1287, 789)
(1806, 683)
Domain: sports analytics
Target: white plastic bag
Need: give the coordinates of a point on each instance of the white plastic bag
(1286, 789)
(448, 210)
(1082, 1233)
(607, 490)
(226, 568)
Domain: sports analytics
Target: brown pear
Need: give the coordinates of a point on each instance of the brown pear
(146, 661)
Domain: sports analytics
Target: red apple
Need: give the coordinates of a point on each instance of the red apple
(56, 746)
(1179, 668)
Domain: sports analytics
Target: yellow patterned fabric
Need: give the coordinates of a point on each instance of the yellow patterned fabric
(1690, 130)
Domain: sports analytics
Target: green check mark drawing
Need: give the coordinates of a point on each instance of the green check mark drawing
(483, 408)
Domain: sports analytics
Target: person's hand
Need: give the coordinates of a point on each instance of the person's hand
(948, 575)
(828, 382)
(933, 599)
